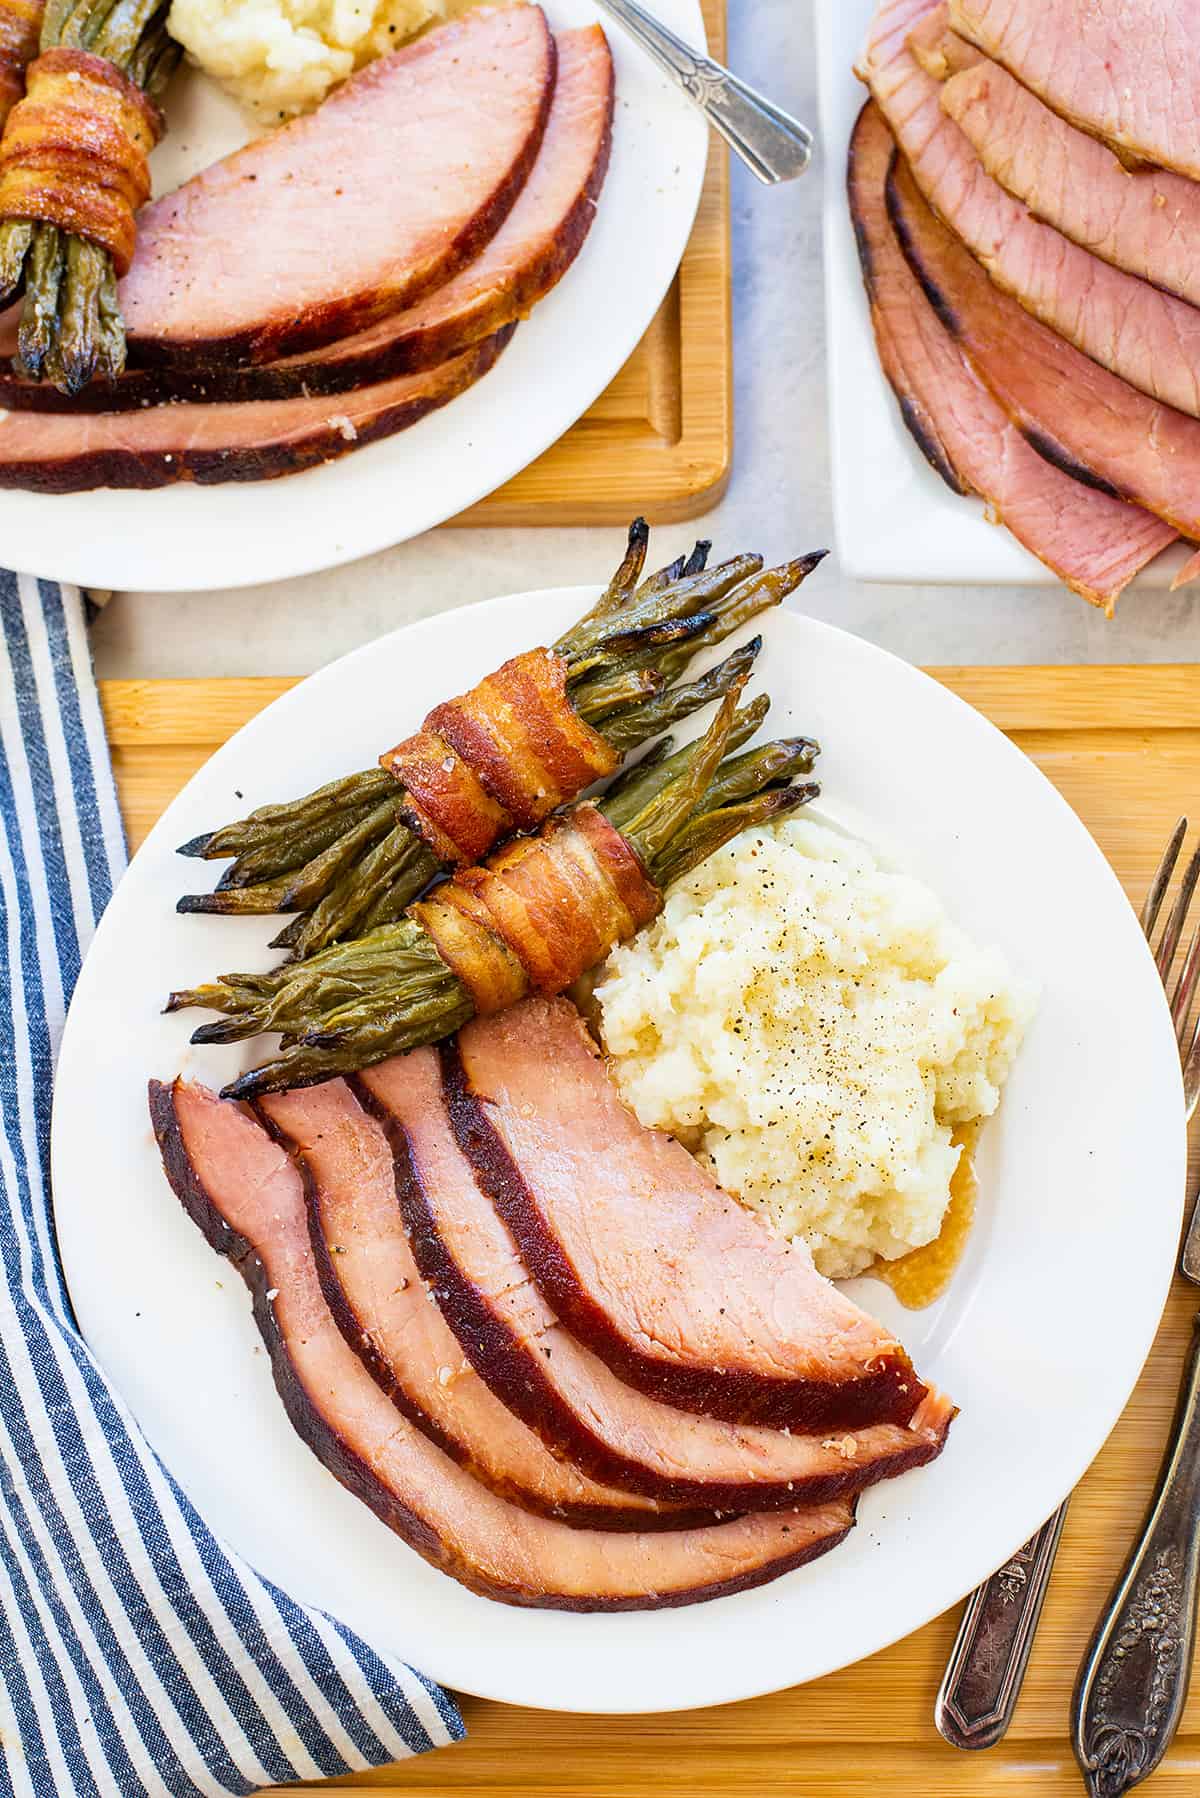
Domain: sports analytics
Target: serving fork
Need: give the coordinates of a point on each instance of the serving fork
(772, 144)
(1134, 1678)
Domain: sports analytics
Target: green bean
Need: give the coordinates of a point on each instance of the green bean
(110, 332)
(674, 571)
(666, 812)
(283, 852)
(622, 585)
(623, 802)
(694, 594)
(273, 820)
(630, 728)
(615, 692)
(703, 836)
(16, 238)
(741, 775)
(300, 888)
(306, 1062)
(400, 861)
(44, 269)
(74, 355)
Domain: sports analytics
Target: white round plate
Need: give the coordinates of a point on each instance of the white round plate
(1039, 1339)
(187, 538)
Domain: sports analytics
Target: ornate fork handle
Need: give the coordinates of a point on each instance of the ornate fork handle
(774, 145)
(1134, 1678)
(987, 1665)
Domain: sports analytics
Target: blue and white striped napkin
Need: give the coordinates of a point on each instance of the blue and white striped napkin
(137, 1655)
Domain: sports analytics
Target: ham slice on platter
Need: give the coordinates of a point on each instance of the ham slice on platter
(1072, 410)
(1148, 338)
(1125, 70)
(339, 218)
(1093, 542)
(375, 1291)
(564, 1392)
(530, 253)
(1148, 226)
(61, 453)
(641, 1255)
(247, 1196)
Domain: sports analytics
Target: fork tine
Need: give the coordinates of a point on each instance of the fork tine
(1185, 988)
(1158, 886)
(1191, 1074)
(1178, 918)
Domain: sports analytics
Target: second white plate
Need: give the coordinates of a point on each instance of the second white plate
(1039, 1339)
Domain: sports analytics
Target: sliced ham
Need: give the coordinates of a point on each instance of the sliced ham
(1094, 543)
(647, 1262)
(339, 218)
(246, 1195)
(1148, 338)
(1125, 70)
(375, 1291)
(563, 1391)
(1148, 224)
(530, 253)
(63, 453)
(1071, 410)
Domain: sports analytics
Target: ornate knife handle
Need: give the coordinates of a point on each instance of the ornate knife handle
(991, 1651)
(774, 145)
(1134, 1678)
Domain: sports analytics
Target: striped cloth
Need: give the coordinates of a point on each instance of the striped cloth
(137, 1655)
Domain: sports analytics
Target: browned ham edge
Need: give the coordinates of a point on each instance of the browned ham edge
(528, 256)
(377, 1295)
(784, 1348)
(564, 1392)
(59, 453)
(352, 212)
(244, 1193)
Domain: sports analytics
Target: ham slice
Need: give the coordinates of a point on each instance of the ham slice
(1148, 338)
(339, 218)
(1125, 70)
(1070, 409)
(374, 1289)
(1096, 544)
(1148, 225)
(564, 1392)
(246, 1195)
(529, 255)
(647, 1262)
(62, 453)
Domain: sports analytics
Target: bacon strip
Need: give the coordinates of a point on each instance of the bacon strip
(501, 757)
(74, 150)
(20, 26)
(541, 912)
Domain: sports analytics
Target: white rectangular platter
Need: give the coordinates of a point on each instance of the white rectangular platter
(894, 518)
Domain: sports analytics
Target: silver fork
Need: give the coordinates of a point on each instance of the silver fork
(991, 1651)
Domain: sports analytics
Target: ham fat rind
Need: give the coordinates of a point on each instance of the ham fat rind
(643, 1257)
(335, 220)
(58, 453)
(530, 253)
(564, 1392)
(245, 1193)
(1126, 73)
(1093, 542)
(1148, 338)
(376, 1293)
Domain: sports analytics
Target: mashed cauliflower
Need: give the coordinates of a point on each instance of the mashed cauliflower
(812, 1024)
(281, 57)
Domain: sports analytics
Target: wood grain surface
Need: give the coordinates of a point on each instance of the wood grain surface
(1123, 746)
(660, 440)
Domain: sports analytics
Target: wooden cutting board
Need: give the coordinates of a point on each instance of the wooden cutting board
(660, 440)
(1123, 746)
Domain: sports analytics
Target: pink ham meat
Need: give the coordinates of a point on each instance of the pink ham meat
(1148, 225)
(339, 218)
(62, 453)
(563, 1391)
(1125, 70)
(375, 1291)
(1071, 410)
(1093, 542)
(643, 1257)
(530, 253)
(1149, 339)
(246, 1195)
